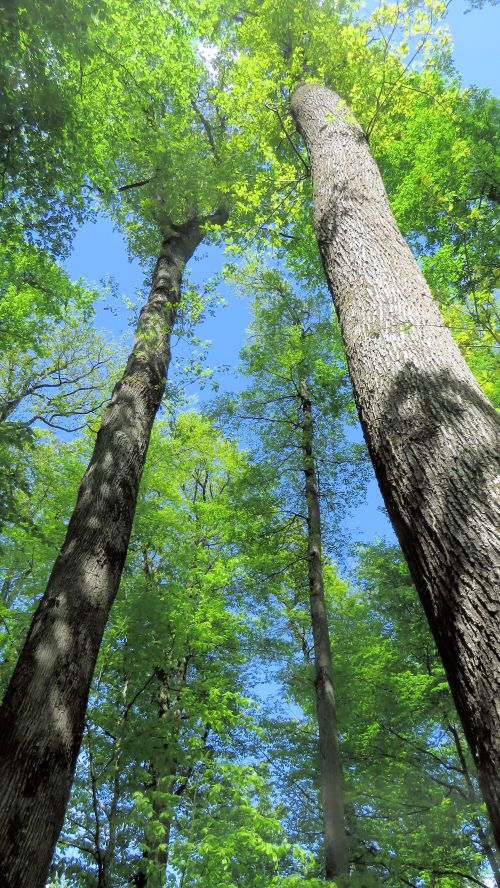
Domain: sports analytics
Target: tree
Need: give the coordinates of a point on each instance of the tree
(411, 798)
(420, 408)
(298, 377)
(51, 133)
(40, 740)
(336, 862)
(158, 780)
(142, 70)
(54, 367)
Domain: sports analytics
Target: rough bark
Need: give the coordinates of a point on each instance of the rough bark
(42, 717)
(431, 433)
(335, 839)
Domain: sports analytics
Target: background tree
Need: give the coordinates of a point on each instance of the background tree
(394, 737)
(158, 781)
(297, 377)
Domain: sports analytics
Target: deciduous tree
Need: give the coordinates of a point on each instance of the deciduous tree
(431, 432)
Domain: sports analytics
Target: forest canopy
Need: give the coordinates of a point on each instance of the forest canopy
(219, 668)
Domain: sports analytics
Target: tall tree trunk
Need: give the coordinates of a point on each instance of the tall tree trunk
(156, 855)
(336, 861)
(489, 851)
(155, 859)
(42, 717)
(157, 842)
(431, 433)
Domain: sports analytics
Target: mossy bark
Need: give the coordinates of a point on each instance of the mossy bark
(42, 716)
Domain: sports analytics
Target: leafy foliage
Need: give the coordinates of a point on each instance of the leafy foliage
(158, 112)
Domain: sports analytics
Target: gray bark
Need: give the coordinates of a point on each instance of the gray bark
(42, 717)
(335, 839)
(431, 433)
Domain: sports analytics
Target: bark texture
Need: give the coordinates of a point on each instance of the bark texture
(42, 717)
(431, 433)
(335, 839)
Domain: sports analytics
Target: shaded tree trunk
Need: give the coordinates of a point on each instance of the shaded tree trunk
(42, 717)
(336, 861)
(155, 859)
(158, 842)
(431, 433)
(489, 851)
(156, 854)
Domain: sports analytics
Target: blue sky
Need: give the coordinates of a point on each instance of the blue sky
(476, 38)
(100, 252)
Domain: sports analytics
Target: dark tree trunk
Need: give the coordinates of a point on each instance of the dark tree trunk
(431, 432)
(154, 876)
(42, 717)
(489, 851)
(336, 861)
(156, 856)
(157, 851)
(158, 842)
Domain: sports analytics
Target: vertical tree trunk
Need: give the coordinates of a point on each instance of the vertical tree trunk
(42, 717)
(157, 852)
(431, 433)
(336, 861)
(155, 859)
(158, 842)
(489, 851)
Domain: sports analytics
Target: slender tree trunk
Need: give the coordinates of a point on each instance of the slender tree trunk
(431, 433)
(156, 855)
(155, 859)
(157, 852)
(158, 842)
(42, 717)
(336, 861)
(489, 851)
(112, 812)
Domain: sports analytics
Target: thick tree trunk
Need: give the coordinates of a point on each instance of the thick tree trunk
(431, 433)
(42, 717)
(336, 861)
